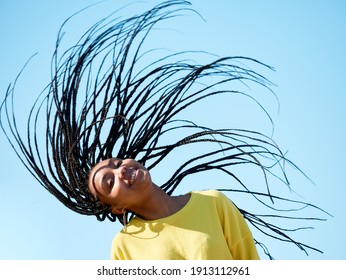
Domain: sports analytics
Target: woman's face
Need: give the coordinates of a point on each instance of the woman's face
(118, 182)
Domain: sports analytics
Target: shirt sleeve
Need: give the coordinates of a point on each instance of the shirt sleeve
(236, 230)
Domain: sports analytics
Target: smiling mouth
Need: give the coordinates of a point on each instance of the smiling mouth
(133, 176)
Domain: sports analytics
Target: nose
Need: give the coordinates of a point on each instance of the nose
(122, 172)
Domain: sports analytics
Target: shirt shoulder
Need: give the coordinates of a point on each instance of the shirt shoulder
(213, 194)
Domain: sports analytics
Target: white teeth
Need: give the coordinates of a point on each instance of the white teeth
(133, 176)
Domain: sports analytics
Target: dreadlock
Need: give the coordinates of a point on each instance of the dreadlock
(102, 103)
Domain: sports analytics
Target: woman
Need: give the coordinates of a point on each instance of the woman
(109, 98)
(199, 225)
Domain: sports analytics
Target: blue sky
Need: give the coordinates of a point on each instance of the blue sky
(304, 41)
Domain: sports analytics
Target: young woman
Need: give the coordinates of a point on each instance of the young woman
(202, 225)
(110, 101)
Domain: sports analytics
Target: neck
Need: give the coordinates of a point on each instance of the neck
(159, 204)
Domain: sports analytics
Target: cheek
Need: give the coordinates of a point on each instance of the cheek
(120, 188)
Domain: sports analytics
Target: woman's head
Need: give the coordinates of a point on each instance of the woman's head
(119, 183)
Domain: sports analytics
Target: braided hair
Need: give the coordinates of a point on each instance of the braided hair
(103, 103)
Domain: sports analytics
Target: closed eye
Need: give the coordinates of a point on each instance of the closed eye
(110, 183)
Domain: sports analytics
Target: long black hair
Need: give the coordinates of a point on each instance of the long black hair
(106, 100)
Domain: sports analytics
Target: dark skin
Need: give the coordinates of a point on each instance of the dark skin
(126, 185)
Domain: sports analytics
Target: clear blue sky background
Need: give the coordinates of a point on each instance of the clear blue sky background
(304, 40)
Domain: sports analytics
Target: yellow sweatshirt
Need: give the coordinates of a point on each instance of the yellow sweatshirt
(208, 227)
